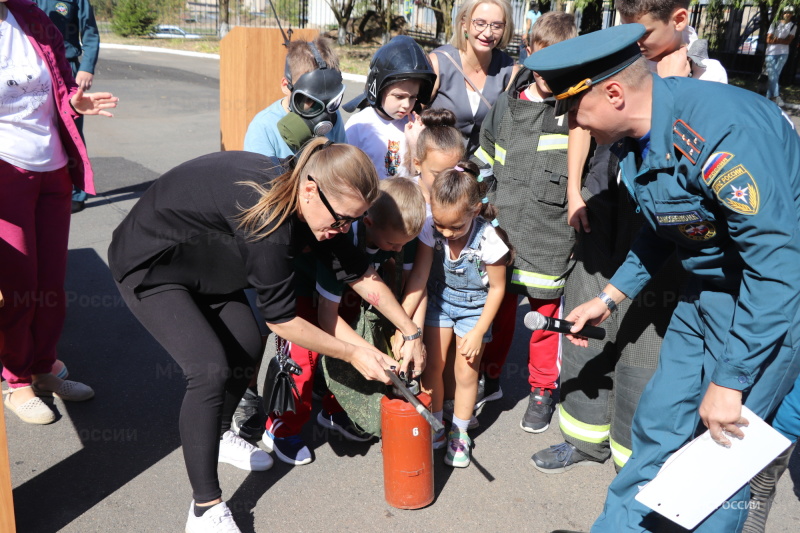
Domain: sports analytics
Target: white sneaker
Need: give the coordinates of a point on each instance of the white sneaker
(236, 451)
(218, 519)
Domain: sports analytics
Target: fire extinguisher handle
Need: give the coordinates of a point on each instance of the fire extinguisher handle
(399, 385)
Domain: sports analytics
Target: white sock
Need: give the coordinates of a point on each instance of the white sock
(459, 424)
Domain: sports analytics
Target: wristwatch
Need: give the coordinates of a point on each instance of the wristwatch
(606, 299)
(413, 337)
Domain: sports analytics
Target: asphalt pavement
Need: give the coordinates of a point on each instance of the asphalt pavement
(114, 464)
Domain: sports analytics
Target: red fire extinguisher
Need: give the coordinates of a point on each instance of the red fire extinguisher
(407, 449)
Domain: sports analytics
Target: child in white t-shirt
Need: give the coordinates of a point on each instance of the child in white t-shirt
(400, 77)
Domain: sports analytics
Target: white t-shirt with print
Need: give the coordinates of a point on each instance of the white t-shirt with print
(384, 141)
(29, 136)
(491, 247)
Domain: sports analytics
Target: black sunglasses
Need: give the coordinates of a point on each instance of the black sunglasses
(338, 220)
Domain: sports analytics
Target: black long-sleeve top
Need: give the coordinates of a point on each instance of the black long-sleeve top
(185, 231)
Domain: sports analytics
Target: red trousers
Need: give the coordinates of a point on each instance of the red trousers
(292, 423)
(544, 351)
(34, 238)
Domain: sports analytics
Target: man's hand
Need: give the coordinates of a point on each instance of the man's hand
(721, 412)
(84, 80)
(592, 312)
(675, 64)
(93, 103)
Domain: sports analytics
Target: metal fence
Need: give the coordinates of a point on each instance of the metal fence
(732, 31)
(203, 16)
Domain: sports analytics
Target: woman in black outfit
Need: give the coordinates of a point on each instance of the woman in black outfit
(210, 228)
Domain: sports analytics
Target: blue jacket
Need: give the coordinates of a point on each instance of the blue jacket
(720, 184)
(75, 20)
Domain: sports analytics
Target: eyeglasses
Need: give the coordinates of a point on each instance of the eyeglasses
(480, 25)
(338, 220)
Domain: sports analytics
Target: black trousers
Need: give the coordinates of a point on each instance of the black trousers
(217, 343)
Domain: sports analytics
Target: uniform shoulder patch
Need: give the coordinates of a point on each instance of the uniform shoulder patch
(687, 141)
(62, 8)
(737, 190)
(715, 164)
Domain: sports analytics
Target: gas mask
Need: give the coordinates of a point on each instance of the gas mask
(313, 102)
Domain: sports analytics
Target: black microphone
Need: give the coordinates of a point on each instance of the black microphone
(535, 321)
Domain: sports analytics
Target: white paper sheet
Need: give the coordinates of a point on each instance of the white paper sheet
(701, 476)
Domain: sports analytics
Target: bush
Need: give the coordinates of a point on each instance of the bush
(133, 18)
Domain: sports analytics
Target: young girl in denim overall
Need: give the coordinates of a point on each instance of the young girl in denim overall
(466, 255)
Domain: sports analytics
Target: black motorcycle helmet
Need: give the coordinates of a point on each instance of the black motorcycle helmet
(398, 60)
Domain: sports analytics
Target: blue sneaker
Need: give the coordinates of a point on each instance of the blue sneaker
(291, 450)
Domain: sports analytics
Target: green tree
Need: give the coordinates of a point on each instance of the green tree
(133, 18)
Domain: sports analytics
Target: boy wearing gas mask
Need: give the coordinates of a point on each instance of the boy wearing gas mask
(313, 87)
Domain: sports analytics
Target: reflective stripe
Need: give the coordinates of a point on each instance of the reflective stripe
(539, 281)
(500, 154)
(619, 453)
(584, 432)
(556, 141)
(481, 154)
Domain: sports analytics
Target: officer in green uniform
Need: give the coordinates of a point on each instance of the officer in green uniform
(715, 170)
(75, 20)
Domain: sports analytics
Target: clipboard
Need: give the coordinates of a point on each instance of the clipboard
(698, 478)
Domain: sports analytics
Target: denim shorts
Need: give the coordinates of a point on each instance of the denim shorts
(459, 310)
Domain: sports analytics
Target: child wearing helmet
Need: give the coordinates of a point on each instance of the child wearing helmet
(313, 89)
(400, 79)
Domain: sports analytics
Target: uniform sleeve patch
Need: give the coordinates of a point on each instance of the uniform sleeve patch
(715, 164)
(738, 191)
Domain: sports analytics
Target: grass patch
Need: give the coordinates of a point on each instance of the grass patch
(353, 59)
(206, 46)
